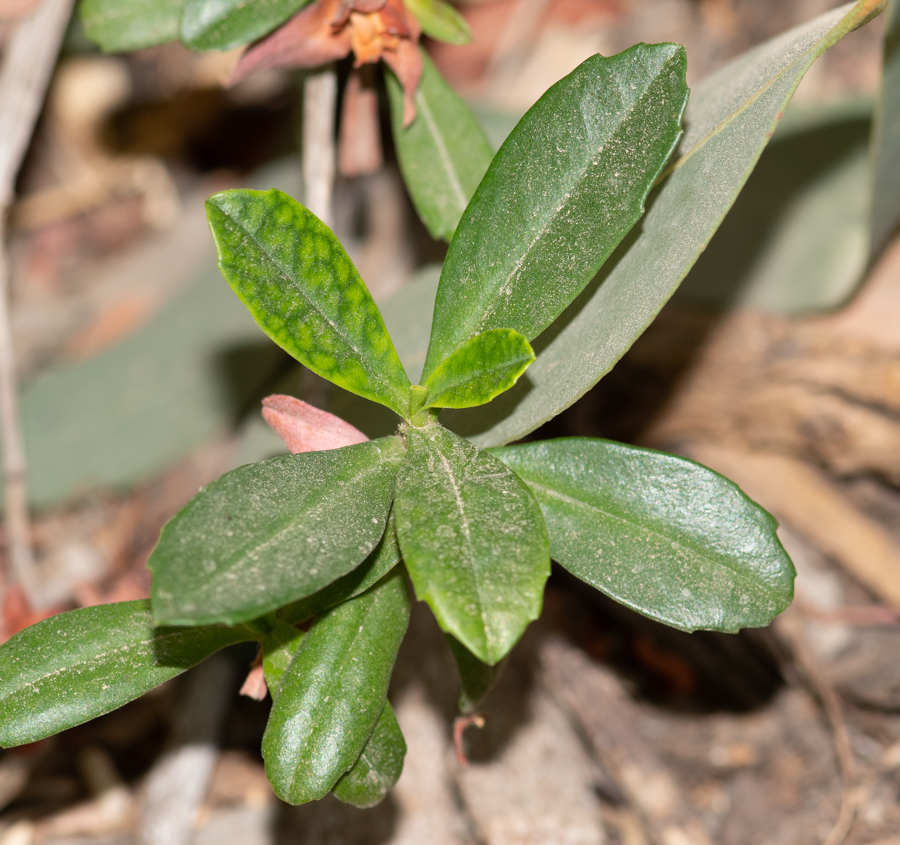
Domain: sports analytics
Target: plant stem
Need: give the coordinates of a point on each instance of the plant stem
(319, 104)
(28, 62)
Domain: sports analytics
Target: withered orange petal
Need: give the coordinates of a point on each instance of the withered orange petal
(406, 62)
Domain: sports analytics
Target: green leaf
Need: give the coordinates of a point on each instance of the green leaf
(279, 645)
(379, 765)
(118, 26)
(730, 118)
(226, 24)
(302, 288)
(663, 535)
(333, 692)
(76, 666)
(440, 20)
(385, 557)
(473, 541)
(477, 678)
(443, 153)
(271, 533)
(482, 368)
(567, 185)
(886, 139)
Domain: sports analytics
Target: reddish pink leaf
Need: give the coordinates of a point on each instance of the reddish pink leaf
(304, 428)
(255, 685)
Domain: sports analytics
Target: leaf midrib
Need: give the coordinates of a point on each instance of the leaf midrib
(374, 378)
(556, 494)
(96, 658)
(443, 153)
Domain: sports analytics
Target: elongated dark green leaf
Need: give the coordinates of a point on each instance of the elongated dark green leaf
(730, 118)
(271, 533)
(225, 24)
(440, 20)
(279, 645)
(566, 187)
(477, 678)
(660, 534)
(302, 288)
(479, 370)
(472, 539)
(334, 691)
(443, 153)
(78, 665)
(886, 139)
(117, 26)
(385, 557)
(379, 765)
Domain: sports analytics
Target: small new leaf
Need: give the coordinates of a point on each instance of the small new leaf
(226, 24)
(663, 535)
(73, 667)
(480, 369)
(333, 692)
(302, 288)
(379, 766)
(473, 541)
(274, 532)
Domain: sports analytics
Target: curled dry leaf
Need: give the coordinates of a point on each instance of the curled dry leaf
(328, 30)
(304, 428)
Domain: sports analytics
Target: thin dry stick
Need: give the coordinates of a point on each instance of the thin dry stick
(28, 62)
(319, 103)
(791, 627)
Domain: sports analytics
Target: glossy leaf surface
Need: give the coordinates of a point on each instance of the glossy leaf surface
(482, 368)
(333, 692)
(440, 20)
(117, 26)
(886, 140)
(663, 535)
(477, 679)
(473, 541)
(730, 119)
(443, 153)
(225, 24)
(78, 665)
(567, 185)
(379, 765)
(274, 532)
(302, 288)
(381, 561)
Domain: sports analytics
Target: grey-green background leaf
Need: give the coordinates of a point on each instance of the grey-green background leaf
(274, 532)
(729, 120)
(75, 666)
(660, 534)
(443, 153)
(567, 185)
(334, 691)
(118, 26)
(886, 139)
